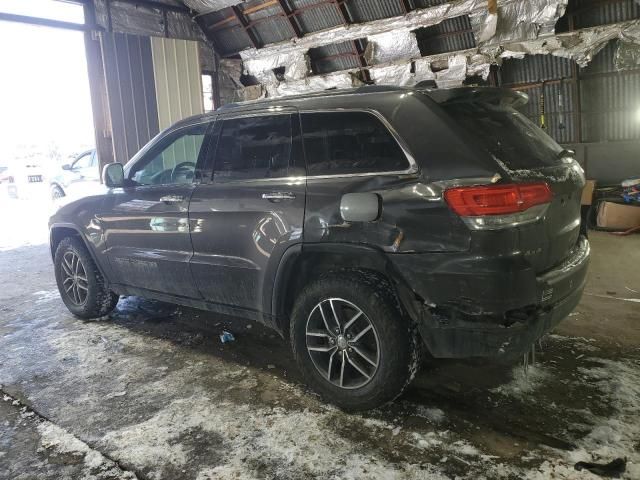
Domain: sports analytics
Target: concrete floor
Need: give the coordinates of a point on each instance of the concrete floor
(151, 393)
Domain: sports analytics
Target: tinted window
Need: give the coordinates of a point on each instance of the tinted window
(505, 133)
(173, 160)
(256, 147)
(340, 143)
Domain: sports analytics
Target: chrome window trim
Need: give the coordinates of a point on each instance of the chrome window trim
(413, 166)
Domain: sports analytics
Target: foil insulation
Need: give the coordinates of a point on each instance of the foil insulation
(628, 51)
(514, 13)
(139, 19)
(518, 21)
(393, 75)
(231, 90)
(312, 84)
(580, 46)
(392, 50)
(454, 74)
(181, 25)
(208, 6)
(296, 66)
(391, 47)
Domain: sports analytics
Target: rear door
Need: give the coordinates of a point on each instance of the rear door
(251, 211)
(146, 224)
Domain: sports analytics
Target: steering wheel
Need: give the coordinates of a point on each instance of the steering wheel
(183, 168)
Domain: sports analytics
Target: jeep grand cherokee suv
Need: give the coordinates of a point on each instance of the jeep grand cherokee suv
(364, 225)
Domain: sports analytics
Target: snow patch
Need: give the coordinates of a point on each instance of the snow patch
(274, 442)
(95, 465)
(46, 295)
(524, 382)
(434, 415)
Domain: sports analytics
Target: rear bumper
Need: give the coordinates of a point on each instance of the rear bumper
(542, 302)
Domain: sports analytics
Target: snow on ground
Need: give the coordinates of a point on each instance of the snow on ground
(179, 409)
(59, 443)
(525, 381)
(611, 437)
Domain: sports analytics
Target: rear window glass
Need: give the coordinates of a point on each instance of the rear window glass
(340, 143)
(506, 133)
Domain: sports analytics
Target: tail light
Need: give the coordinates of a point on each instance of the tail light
(487, 207)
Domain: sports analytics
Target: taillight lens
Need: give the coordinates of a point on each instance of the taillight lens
(483, 200)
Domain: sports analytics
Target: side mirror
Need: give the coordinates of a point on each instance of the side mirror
(113, 175)
(66, 166)
(360, 207)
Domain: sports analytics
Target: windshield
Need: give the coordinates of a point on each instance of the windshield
(507, 134)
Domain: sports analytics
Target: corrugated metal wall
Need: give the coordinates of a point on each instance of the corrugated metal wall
(609, 100)
(178, 83)
(447, 36)
(151, 83)
(128, 69)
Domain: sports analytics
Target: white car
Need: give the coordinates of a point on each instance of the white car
(77, 179)
(23, 179)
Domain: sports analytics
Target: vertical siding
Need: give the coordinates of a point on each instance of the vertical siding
(131, 92)
(177, 79)
(179, 90)
(610, 99)
(535, 68)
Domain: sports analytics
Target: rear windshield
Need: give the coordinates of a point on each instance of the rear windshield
(506, 133)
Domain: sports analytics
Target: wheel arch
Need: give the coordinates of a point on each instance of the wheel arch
(56, 184)
(311, 261)
(60, 231)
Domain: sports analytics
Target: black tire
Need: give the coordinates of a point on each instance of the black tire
(56, 192)
(397, 339)
(97, 300)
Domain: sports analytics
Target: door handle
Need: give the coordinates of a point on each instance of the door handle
(172, 199)
(277, 196)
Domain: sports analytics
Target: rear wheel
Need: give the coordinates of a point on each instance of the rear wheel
(352, 341)
(82, 287)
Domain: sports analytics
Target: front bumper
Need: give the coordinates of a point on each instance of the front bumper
(557, 292)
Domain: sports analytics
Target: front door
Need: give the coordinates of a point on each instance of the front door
(252, 210)
(146, 223)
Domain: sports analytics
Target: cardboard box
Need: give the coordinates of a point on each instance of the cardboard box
(618, 216)
(587, 192)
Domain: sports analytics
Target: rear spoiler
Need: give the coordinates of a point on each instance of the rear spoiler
(495, 95)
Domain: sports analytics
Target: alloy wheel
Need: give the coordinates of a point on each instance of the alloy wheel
(74, 278)
(342, 343)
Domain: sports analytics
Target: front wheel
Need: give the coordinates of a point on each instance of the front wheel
(352, 342)
(56, 192)
(82, 287)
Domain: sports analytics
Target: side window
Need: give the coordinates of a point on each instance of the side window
(83, 162)
(339, 143)
(173, 160)
(254, 148)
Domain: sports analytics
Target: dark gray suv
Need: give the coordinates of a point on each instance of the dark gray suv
(365, 225)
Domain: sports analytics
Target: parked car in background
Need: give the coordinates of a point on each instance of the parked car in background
(23, 179)
(363, 225)
(77, 179)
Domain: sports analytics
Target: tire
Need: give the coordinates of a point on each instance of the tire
(56, 192)
(91, 298)
(393, 334)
